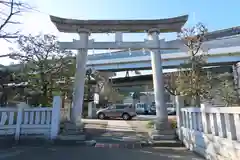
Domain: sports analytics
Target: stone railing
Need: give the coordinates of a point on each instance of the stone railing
(31, 121)
(213, 132)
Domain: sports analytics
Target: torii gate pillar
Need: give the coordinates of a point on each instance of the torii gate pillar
(162, 128)
(78, 94)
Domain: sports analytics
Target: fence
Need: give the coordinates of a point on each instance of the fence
(31, 121)
(213, 132)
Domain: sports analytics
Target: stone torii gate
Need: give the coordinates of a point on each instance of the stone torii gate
(153, 28)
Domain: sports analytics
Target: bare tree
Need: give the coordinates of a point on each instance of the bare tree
(45, 64)
(197, 81)
(194, 79)
(191, 79)
(9, 10)
(171, 82)
(193, 38)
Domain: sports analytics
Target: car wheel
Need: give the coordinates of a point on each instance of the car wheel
(101, 116)
(126, 116)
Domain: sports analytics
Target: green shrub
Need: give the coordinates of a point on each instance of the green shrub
(150, 124)
(174, 124)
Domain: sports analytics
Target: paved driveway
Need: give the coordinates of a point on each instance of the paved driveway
(150, 117)
(139, 117)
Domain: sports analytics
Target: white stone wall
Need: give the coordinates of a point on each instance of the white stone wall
(31, 121)
(211, 147)
(213, 132)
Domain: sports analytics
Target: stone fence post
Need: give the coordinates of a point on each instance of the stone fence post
(179, 101)
(56, 116)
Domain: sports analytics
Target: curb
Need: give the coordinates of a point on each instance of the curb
(172, 143)
(114, 145)
(74, 142)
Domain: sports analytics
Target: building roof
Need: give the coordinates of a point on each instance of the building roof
(106, 26)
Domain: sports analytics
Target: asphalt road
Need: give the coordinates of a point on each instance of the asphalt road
(91, 153)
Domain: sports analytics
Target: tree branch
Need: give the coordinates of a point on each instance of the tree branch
(13, 8)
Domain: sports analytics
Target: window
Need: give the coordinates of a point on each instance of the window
(120, 106)
(112, 107)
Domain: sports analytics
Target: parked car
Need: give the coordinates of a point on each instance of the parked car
(124, 111)
(170, 110)
(152, 109)
(142, 108)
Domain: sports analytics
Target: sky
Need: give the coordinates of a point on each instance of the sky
(215, 14)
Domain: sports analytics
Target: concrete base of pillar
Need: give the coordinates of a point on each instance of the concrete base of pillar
(71, 128)
(92, 110)
(162, 131)
(157, 135)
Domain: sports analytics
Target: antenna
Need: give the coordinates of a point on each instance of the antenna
(109, 51)
(129, 51)
(144, 51)
(194, 18)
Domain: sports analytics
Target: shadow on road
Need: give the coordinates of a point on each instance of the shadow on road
(94, 130)
(179, 153)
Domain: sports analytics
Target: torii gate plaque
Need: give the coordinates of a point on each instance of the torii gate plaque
(152, 27)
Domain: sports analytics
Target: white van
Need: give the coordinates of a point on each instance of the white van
(142, 108)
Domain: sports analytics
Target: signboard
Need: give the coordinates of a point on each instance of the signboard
(96, 98)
